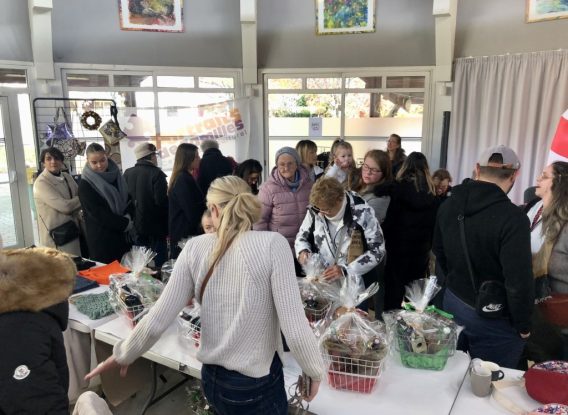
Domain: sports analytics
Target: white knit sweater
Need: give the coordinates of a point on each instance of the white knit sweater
(250, 297)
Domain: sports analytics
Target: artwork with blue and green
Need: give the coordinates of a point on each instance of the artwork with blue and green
(551, 6)
(343, 14)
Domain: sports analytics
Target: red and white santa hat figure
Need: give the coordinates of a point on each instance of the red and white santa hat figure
(559, 147)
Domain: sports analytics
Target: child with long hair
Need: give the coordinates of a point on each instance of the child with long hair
(342, 165)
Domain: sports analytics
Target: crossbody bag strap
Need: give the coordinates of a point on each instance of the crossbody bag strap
(461, 222)
(68, 187)
(48, 231)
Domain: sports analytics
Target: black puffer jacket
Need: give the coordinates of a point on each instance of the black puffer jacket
(213, 164)
(498, 240)
(148, 189)
(34, 377)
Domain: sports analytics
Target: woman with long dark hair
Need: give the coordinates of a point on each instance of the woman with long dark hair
(186, 200)
(108, 211)
(242, 280)
(395, 152)
(409, 227)
(551, 213)
(250, 171)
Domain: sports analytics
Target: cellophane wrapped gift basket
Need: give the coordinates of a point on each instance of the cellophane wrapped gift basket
(189, 324)
(317, 294)
(354, 348)
(133, 294)
(423, 336)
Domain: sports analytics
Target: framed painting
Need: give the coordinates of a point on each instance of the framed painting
(151, 15)
(345, 16)
(540, 10)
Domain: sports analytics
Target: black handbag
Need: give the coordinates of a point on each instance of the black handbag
(491, 296)
(64, 233)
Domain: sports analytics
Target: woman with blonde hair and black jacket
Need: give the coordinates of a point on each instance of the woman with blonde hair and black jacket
(242, 280)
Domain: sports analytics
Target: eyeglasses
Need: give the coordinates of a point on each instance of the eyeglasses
(287, 166)
(317, 209)
(370, 169)
(543, 176)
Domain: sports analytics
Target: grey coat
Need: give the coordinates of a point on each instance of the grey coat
(558, 264)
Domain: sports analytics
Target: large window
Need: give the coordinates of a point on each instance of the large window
(362, 108)
(160, 107)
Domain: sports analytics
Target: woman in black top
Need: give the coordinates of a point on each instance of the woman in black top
(187, 201)
(107, 207)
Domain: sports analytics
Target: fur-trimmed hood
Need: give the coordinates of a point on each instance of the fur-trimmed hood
(33, 279)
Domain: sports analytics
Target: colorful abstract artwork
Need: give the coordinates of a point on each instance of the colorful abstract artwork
(540, 10)
(345, 16)
(151, 15)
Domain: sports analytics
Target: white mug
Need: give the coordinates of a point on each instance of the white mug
(480, 378)
(496, 372)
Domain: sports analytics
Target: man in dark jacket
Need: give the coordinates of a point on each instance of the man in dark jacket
(34, 286)
(213, 164)
(497, 236)
(148, 188)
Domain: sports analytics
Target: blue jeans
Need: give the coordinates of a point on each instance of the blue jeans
(493, 340)
(230, 392)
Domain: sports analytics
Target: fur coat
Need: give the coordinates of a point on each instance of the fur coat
(34, 286)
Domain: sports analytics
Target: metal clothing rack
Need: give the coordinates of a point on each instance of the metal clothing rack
(45, 112)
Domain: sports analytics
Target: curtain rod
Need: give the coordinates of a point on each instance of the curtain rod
(516, 53)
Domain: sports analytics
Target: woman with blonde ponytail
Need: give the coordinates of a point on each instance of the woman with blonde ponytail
(245, 283)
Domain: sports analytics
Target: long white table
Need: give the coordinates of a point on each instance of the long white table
(399, 390)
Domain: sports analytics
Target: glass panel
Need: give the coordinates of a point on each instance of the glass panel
(86, 80)
(406, 81)
(289, 113)
(133, 80)
(381, 114)
(175, 81)
(7, 223)
(323, 83)
(13, 78)
(285, 83)
(363, 82)
(180, 110)
(216, 82)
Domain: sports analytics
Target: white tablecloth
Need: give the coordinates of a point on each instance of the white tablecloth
(171, 350)
(400, 390)
(469, 404)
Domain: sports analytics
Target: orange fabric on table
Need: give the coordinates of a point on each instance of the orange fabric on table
(102, 274)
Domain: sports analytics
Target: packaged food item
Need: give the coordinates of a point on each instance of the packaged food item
(423, 336)
(317, 294)
(133, 294)
(354, 347)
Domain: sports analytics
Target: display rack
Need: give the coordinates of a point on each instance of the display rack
(45, 112)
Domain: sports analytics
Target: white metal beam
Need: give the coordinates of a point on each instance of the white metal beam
(41, 35)
(249, 41)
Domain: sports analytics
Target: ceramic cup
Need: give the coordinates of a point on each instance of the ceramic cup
(496, 372)
(480, 378)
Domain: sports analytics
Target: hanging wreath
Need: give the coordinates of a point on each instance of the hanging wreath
(91, 120)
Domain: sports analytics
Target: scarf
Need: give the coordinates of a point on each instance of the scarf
(115, 196)
(293, 185)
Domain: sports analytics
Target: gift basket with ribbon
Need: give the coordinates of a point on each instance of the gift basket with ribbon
(317, 294)
(189, 324)
(133, 294)
(424, 336)
(354, 348)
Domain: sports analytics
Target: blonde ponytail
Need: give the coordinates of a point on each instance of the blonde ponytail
(240, 209)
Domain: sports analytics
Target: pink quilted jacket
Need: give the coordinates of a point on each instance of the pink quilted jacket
(282, 210)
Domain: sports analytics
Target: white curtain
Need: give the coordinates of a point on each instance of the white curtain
(515, 100)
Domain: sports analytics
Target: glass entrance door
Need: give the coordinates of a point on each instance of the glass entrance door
(11, 228)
